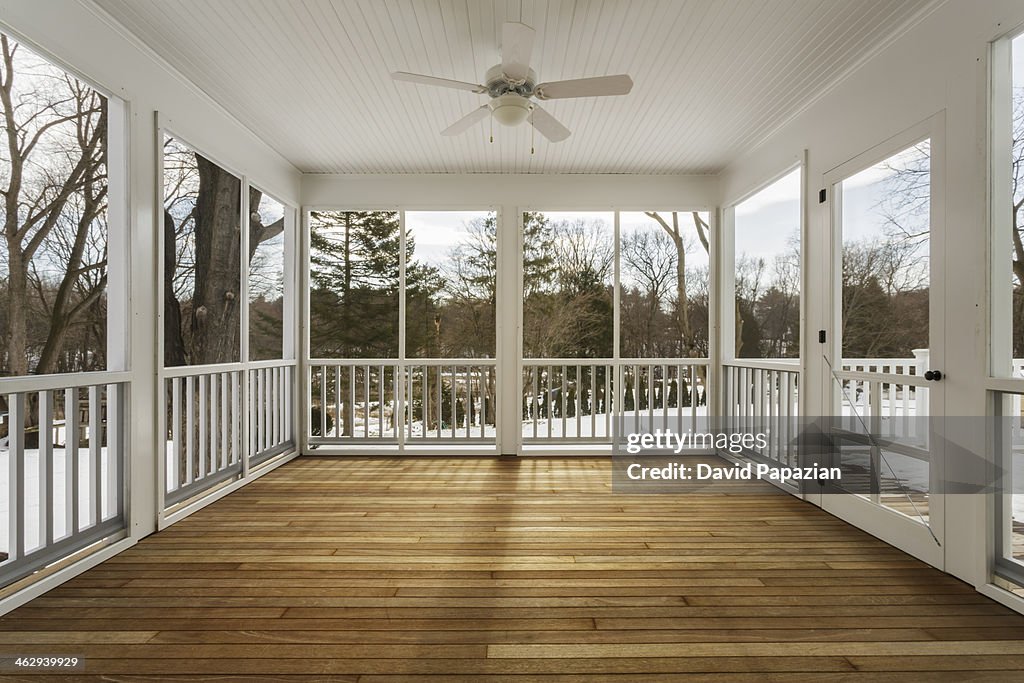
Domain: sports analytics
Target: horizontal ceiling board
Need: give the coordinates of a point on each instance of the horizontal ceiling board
(712, 77)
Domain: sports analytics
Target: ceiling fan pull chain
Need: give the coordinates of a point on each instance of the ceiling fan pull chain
(492, 128)
(533, 133)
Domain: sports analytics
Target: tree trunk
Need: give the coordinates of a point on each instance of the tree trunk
(17, 309)
(215, 304)
(174, 343)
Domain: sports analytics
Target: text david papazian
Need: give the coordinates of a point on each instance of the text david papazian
(706, 472)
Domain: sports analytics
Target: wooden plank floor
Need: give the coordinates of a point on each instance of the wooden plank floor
(530, 569)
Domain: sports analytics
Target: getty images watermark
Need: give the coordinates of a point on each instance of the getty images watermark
(659, 441)
(828, 455)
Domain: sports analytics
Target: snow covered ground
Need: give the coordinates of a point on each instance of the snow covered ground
(33, 533)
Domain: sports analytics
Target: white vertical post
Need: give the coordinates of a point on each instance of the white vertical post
(175, 434)
(237, 415)
(215, 424)
(366, 400)
(16, 476)
(190, 429)
(203, 426)
(115, 449)
(45, 468)
(225, 421)
(921, 362)
(95, 443)
(337, 401)
(71, 460)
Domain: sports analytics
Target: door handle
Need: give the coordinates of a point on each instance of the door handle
(933, 375)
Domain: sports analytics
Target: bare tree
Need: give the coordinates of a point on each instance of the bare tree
(678, 238)
(55, 156)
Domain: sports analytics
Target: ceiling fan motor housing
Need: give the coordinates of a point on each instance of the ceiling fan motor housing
(498, 83)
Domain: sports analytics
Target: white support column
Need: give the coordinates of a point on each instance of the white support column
(509, 328)
(142, 475)
(303, 382)
(723, 294)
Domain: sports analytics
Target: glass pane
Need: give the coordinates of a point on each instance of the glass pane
(53, 272)
(664, 284)
(354, 262)
(767, 271)
(568, 276)
(266, 277)
(202, 263)
(885, 274)
(885, 298)
(450, 284)
(1017, 210)
(1012, 427)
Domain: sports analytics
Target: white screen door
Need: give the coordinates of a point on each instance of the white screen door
(885, 368)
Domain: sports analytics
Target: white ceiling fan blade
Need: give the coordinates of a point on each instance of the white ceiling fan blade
(516, 48)
(434, 80)
(467, 121)
(547, 125)
(585, 87)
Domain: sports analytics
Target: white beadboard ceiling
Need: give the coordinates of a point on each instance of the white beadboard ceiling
(712, 77)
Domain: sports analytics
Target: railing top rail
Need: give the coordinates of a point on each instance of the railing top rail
(276, 363)
(663, 361)
(612, 361)
(783, 364)
(884, 377)
(898, 362)
(71, 380)
(396, 362)
(197, 370)
(449, 361)
(217, 368)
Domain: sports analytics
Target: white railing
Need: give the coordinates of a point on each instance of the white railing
(568, 399)
(271, 403)
(209, 439)
(382, 401)
(450, 401)
(204, 430)
(62, 454)
(888, 394)
(572, 400)
(763, 397)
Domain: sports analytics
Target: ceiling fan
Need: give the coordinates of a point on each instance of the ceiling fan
(512, 84)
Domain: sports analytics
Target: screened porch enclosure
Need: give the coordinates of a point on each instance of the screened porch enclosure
(218, 258)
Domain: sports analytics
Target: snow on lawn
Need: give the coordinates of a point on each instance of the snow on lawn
(31, 492)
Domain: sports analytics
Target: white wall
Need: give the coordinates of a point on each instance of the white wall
(941, 65)
(80, 37)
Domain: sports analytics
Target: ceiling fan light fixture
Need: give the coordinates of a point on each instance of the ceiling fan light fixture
(510, 110)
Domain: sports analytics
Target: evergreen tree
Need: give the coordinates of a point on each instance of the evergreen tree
(354, 268)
